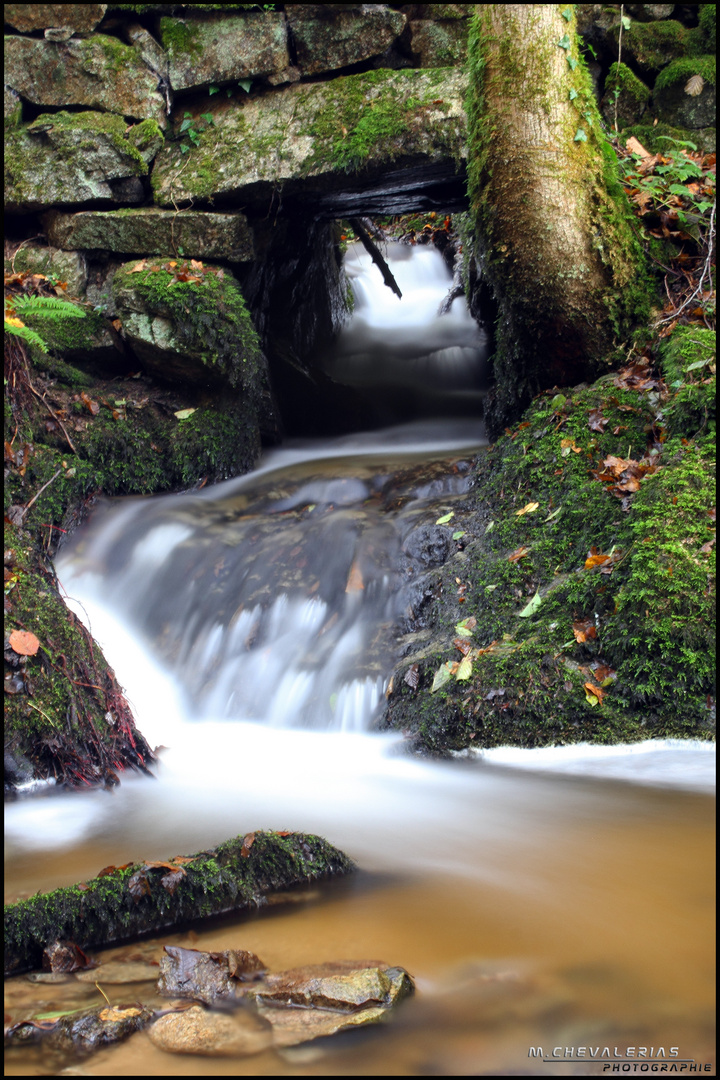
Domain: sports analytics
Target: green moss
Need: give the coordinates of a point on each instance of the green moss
(108, 909)
(65, 712)
(681, 70)
(654, 136)
(209, 317)
(652, 45)
(707, 26)
(180, 38)
(115, 127)
(621, 77)
(68, 335)
(653, 611)
(687, 361)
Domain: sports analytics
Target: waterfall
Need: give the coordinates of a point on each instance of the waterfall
(276, 598)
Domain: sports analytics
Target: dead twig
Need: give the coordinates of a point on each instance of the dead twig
(54, 415)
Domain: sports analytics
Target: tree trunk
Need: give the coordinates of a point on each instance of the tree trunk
(555, 242)
(128, 901)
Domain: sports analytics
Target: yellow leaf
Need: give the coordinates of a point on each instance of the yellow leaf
(464, 671)
(12, 320)
(183, 414)
(529, 508)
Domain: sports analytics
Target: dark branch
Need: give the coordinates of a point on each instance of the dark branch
(372, 250)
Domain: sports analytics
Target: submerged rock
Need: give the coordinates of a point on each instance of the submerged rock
(214, 1034)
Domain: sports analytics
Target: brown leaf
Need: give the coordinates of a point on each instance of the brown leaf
(195, 264)
(90, 405)
(596, 690)
(596, 421)
(65, 956)
(23, 642)
(139, 267)
(412, 676)
(355, 579)
(171, 881)
(603, 672)
(463, 645)
(520, 553)
(247, 843)
(636, 147)
(139, 886)
(584, 630)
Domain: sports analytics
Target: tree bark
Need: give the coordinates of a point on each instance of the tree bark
(126, 902)
(555, 242)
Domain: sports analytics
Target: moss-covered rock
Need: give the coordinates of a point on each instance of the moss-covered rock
(687, 361)
(66, 267)
(82, 18)
(68, 159)
(684, 93)
(97, 72)
(594, 607)
(439, 43)
(309, 137)
(631, 94)
(150, 231)
(65, 713)
(222, 47)
(189, 323)
(332, 36)
(650, 46)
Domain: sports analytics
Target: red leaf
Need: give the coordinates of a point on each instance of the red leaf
(519, 554)
(584, 630)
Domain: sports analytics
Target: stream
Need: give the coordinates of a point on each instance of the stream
(549, 904)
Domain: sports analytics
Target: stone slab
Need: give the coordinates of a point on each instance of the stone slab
(221, 48)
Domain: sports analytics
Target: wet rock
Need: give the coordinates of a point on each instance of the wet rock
(428, 544)
(206, 976)
(342, 984)
(290, 1026)
(118, 972)
(81, 18)
(97, 72)
(218, 48)
(86, 1031)
(151, 231)
(214, 1034)
(332, 36)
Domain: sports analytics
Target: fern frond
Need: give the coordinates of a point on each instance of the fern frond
(49, 307)
(26, 334)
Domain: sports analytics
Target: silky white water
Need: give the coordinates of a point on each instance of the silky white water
(246, 623)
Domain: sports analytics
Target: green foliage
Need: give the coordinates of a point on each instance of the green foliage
(677, 177)
(44, 307)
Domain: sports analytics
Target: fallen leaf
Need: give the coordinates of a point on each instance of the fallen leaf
(247, 843)
(466, 626)
(412, 676)
(355, 581)
(596, 558)
(139, 267)
(91, 406)
(529, 508)
(444, 674)
(519, 554)
(636, 147)
(464, 670)
(183, 414)
(584, 630)
(115, 1013)
(531, 607)
(596, 421)
(590, 688)
(444, 520)
(463, 645)
(553, 515)
(23, 642)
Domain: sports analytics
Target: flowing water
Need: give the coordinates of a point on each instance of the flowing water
(558, 899)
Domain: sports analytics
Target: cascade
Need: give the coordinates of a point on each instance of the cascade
(538, 897)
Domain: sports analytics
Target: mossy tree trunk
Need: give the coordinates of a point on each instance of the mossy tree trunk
(555, 242)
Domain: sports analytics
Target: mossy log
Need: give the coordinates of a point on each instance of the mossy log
(142, 898)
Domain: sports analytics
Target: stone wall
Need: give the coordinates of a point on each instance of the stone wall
(224, 133)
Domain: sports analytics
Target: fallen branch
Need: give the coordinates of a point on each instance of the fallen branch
(373, 251)
(126, 902)
(54, 416)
